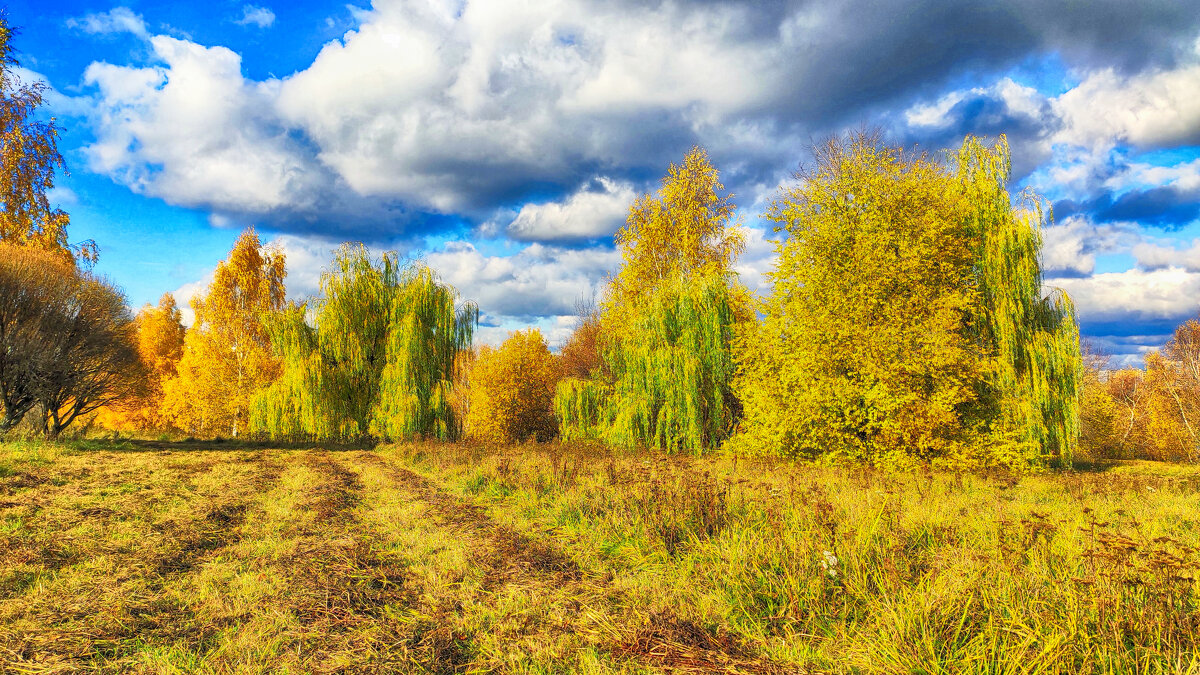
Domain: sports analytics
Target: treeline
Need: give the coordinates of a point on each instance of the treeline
(906, 322)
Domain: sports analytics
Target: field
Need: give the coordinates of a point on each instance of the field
(211, 557)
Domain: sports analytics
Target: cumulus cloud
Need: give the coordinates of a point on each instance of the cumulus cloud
(596, 211)
(1133, 301)
(1155, 256)
(1152, 109)
(253, 15)
(115, 21)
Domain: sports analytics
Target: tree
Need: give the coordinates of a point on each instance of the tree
(580, 356)
(381, 357)
(227, 353)
(666, 323)
(862, 350)
(66, 340)
(512, 388)
(160, 338)
(906, 318)
(29, 157)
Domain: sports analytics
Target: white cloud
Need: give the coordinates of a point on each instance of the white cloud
(258, 16)
(1153, 256)
(196, 133)
(1072, 244)
(1150, 109)
(117, 20)
(1170, 293)
(585, 214)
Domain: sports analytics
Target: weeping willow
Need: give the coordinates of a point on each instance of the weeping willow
(1033, 388)
(380, 359)
(426, 333)
(670, 369)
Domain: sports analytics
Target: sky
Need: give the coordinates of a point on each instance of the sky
(503, 141)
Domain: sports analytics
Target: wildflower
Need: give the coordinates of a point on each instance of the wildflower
(829, 563)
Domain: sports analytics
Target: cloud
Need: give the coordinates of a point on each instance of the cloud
(116, 21)
(431, 114)
(258, 16)
(1156, 256)
(1134, 301)
(591, 213)
(1148, 110)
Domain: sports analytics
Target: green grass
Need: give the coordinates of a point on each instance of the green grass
(201, 558)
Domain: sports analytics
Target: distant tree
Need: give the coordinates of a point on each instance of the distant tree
(512, 388)
(227, 353)
(66, 340)
(382, 357)
(1098, 411)
(160, 337)
(29, 157)
(666, 323)
(580, 357)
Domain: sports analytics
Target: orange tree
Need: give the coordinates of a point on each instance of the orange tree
(511, 390)
(160, 337)
(29, 157)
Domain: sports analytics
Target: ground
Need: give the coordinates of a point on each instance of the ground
(194, 557)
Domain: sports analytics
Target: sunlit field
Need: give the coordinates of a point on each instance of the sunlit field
(216, 557)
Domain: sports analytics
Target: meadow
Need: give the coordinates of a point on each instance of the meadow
(198, 557)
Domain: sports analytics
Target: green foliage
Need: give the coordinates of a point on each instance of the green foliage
(380, 359)
(1033, 386)
(667, 323)
(578, 405)
(425, 336)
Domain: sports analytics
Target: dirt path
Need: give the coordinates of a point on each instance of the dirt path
(598, 610)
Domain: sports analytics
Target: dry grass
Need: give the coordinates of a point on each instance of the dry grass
(210, 558)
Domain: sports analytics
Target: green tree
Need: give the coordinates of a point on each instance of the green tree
(376, 324)
(667, 322)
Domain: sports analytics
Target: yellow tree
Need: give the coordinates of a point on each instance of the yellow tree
(227, 352)
(667, 322)
(683, 231)
(511, 390)
(29, 158)
(862, 350)
(160, 337)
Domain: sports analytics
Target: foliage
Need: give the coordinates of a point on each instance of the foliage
(1099, 413)
(29, 157)
(511, 390)
(66, 340)
(863, 351)
(906, 318)
(685, 231)
(581, 356)
(666, 323)
(1032, 388)
(160, 336)
(426, 336)
(343, 378)
(227, 352)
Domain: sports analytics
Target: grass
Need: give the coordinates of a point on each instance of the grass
(206, 558)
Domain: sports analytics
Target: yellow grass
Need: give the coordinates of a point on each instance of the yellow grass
(158, 557)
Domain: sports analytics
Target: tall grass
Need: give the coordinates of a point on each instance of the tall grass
(852, 568)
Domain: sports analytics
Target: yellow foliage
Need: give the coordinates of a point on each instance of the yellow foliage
(227, 353)
(862, 350)
(159, 342)
(512, 387)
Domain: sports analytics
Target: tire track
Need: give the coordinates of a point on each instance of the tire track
(507, 556)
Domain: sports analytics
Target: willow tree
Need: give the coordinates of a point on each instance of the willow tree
(376, 323)
(1033, 386)
(667, 321)
(427, 334)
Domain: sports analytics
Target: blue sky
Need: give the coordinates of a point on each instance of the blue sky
(503, 141)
